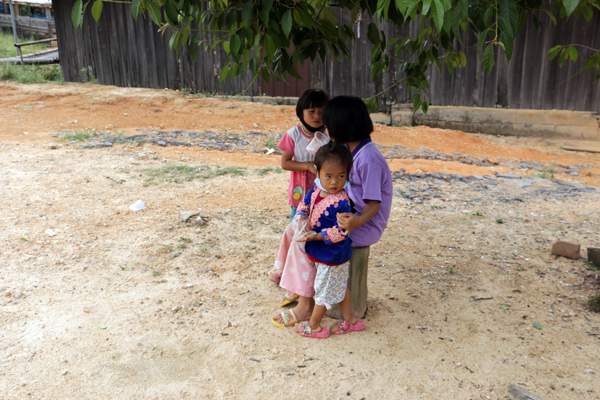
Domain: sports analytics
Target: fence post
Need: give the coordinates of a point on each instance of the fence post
(13, 20)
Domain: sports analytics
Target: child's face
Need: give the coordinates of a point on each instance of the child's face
(333, 176)
(313, 116)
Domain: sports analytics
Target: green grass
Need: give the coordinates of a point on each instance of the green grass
(269, 170)
(594, 303)
(79, 136)
(31, 73)
(547, 172)
(186, 173)
(26, 73)
(7, 48)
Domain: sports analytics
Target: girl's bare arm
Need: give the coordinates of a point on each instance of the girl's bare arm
(290, 165)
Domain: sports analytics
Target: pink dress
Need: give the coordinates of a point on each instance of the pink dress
(294, 142)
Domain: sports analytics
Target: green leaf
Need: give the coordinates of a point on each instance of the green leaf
(438, 14)
(97, 9)
(488, 60)
(302, 17)
(426, 6)
(383, 7)
(572, 53)
(266, 11)
(404, 5)
(225, 73)
(554, 52)
(537, 325)
(135, 8)
(570, 6)
(171, 13)
(247, 13)
(286, 22)
(227, 47)
(236, 43)
(154, 11)
(77, 13)
(269, 46)
(185, 35)
(174, 41)
(373, 33)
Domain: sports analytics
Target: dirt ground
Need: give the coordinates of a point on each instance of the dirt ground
(97, 301)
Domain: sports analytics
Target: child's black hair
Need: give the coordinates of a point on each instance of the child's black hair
(333, 150)
(311, 98)
(347, 119)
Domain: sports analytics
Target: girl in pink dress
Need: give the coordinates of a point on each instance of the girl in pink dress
(298, 153)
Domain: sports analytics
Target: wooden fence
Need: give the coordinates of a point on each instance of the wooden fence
(127, 52)
(29, 25)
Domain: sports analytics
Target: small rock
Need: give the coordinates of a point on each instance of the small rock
(589, 371)
(96, 145)
(194, 218)
(566, 249)
(517, 392)
(53, 146)
(66, 371)
(51, 232)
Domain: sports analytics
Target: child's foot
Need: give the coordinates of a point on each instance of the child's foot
(284, 319)
(288, 299)
(305, 330)
(342, 327)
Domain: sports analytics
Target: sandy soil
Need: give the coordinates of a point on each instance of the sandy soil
(100, 302)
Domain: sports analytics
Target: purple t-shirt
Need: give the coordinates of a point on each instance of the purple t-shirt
(370, 179)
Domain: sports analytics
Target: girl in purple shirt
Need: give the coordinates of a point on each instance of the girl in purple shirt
(348, 122)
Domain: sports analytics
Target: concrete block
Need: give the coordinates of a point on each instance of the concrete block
(566, 249)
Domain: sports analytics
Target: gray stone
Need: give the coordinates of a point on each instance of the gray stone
(96, 145)
(193, 217)
(517, 392)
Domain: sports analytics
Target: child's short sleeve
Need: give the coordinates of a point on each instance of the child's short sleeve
(286, 144)
(304, 205)
(372, 176)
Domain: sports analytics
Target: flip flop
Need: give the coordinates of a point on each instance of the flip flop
(305, 330)
(288, 317)
(343, 327)
(287, 300)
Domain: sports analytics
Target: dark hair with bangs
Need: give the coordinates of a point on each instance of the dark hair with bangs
(347, 119)
(333, 150)
(311, 98)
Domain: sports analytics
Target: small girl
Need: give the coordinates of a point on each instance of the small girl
(328, 249)
(298, 152)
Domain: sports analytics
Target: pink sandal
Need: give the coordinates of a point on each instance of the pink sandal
(305, 330)
(343, 327)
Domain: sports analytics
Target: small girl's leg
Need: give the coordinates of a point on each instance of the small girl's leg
(316, 316)
(282, 253)
(313, 328)
(350, 322)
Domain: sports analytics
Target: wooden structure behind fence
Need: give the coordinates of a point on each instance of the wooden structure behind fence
(127, 52)
(42, 25)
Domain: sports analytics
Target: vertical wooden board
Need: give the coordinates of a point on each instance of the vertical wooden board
(124, 46)
(133, 61)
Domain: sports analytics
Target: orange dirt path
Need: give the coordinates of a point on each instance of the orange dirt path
(32, 113)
